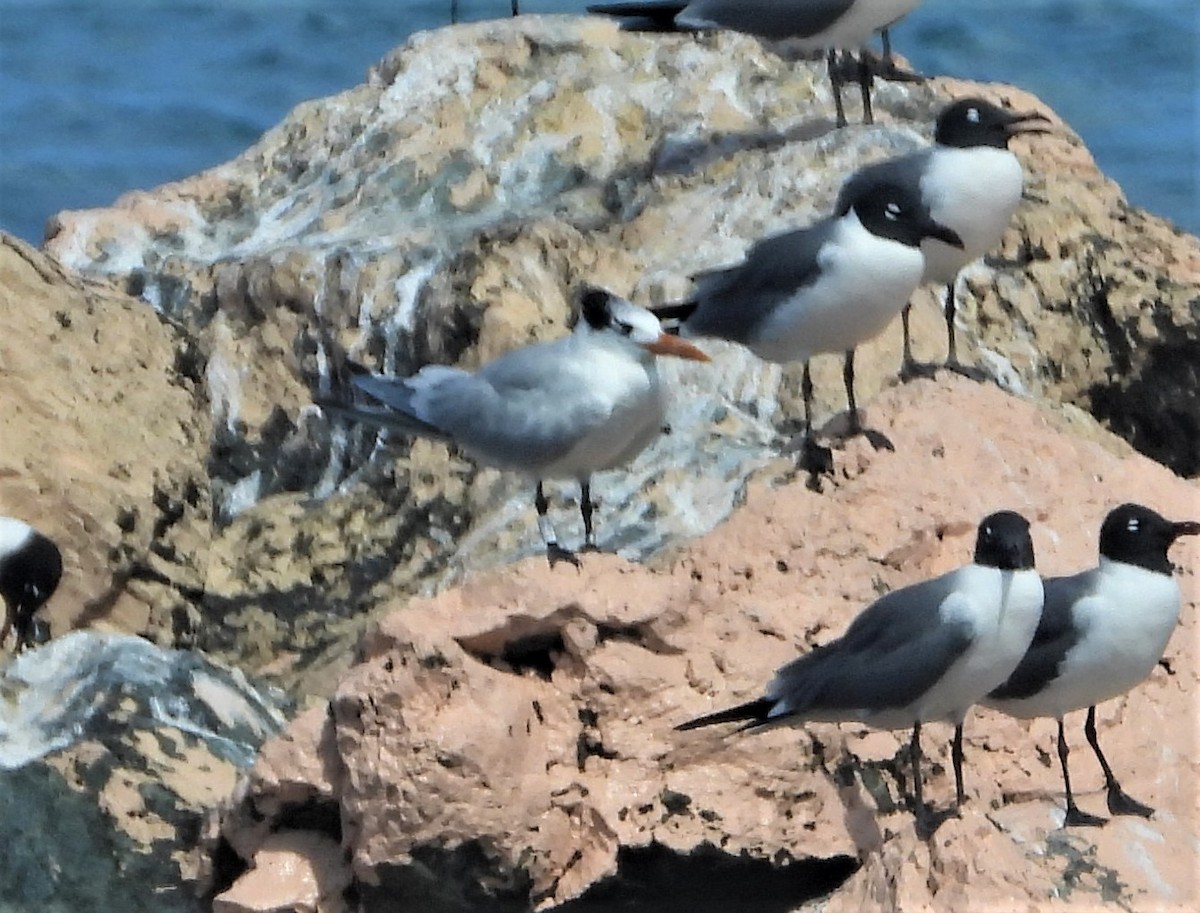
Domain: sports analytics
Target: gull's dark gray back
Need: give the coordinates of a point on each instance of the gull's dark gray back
(733, 303)
(775, 20)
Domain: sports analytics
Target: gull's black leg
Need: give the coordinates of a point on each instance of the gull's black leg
(956, 755)
(952, 362)
(516, 8)
(586, 508)
(877, 439)
(453, 11)
(835, 78)
(814, 458)
(1119, 802)
(1075, 817)
(554, 552)
(865, 80)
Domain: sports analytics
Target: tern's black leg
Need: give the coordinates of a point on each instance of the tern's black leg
(877, 439)
(865, 80)
(554, 552)
(1119, 802)
(1075, 817)
(956, 756)
(586, 508)
(835, 78)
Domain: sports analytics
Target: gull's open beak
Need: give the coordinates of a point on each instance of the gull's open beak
(1186, 528)
(1031, 122)
(673, 345)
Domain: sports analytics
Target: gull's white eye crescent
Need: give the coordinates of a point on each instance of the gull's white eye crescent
(1133, 525)
(892, 212)
(973, 115)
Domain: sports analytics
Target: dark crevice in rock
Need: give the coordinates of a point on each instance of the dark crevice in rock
(1158, 409)
(655, 879)
(445, 880)
(324, 817)
(537, 652)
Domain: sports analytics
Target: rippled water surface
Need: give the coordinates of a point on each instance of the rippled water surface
(99, 98)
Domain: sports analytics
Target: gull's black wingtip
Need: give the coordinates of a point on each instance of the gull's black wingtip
(751, 713)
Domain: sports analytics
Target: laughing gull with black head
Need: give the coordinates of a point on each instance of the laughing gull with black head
(826, 288)
(30, 569)
(562, 409)
(807, 25)
(1102, 632)
(925, 652)
(970, 182)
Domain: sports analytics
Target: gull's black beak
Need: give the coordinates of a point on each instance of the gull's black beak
(932, 229)
(1186, 528)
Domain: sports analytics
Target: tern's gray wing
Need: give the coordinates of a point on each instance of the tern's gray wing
(1056, 635)
(775, 20)
(891, 654)
(733, 303)
(905, 170)
(380, 417)
(522, 411)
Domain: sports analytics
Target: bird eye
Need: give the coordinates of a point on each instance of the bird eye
(973, 115)
(892, 212)
(625, 328)
(1133, 525)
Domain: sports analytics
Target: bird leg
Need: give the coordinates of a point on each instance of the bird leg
(835, 78)
(1119, 802)
(910, 368)
(814, 459)
(453, 12)
(876, 439)
(865, 81)
(586, 507)
(554, 552)
(927, 821)
(952, 362)
(1075, 817)
(516, 8)
(956, 756)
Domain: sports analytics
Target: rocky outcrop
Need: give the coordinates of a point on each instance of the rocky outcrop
(104, 436)
(509, 742)
(443, 210)
(111, 750)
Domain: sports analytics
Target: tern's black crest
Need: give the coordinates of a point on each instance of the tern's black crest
(971, 122)
(1133, 534)
(893, 210)
(1004, 542)
(593, 306)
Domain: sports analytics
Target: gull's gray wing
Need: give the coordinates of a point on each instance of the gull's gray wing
(645, 16)
(733, 303)
(1056, 635)
(892, 653)
(775, 20)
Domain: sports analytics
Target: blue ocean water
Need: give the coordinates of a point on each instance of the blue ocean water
(100, 98)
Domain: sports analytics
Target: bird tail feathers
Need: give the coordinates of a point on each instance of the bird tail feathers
(751, 714)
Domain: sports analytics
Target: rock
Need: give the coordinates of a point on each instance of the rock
(104, 434)
(111, 750)
(295, 872)
(442, 212)
(509, 742)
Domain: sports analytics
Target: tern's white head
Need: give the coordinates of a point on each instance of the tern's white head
(603, 314)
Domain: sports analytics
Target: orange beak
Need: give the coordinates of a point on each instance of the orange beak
(673, 345)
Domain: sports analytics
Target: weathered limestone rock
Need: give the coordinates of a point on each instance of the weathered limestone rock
(111, 750)
(104, 433)
(508, 743)
(442, 211)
